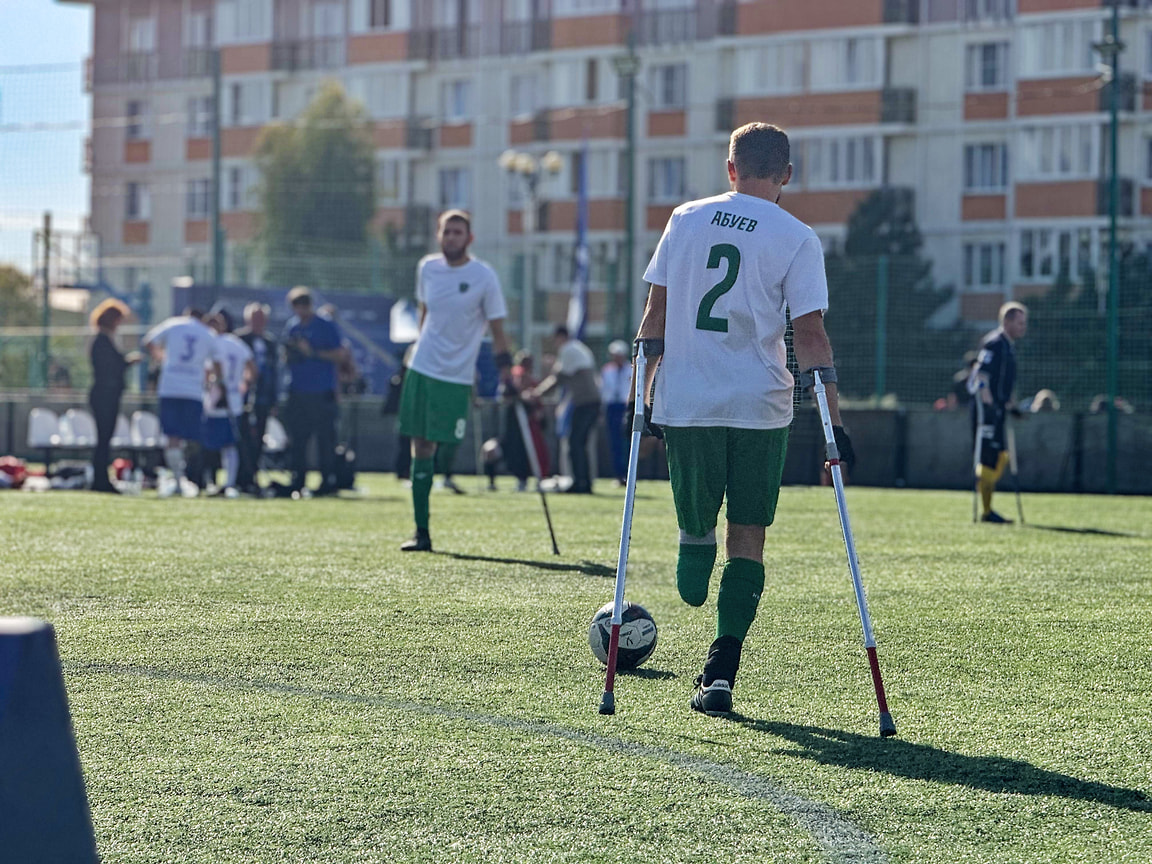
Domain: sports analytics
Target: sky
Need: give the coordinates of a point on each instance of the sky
(44, 118)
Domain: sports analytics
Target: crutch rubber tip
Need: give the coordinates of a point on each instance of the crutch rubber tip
(887, 725)
(608, 703)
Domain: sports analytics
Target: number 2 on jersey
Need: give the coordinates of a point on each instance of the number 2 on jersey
(704, 318)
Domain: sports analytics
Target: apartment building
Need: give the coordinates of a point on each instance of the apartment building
(991, 116)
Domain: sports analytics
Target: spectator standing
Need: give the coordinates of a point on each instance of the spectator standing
(185, 347)
(615, 394)
(575, 369)
(459, 299)
(726, 274)
(313, 350)
(260, 399)
(992, 381)
(108, 366)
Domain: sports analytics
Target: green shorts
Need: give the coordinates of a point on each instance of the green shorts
(705, 463)
(434, 410)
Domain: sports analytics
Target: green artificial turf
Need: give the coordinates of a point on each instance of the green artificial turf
(273, 681)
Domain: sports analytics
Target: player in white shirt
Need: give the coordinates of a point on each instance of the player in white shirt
(224, 397)
(726, 275)
(459, 299)
(184, 345)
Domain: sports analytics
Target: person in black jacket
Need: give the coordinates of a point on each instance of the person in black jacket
(262, 393)
(991, 384)
(108, 366)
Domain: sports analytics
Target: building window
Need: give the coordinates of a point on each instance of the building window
(983, 265)
(137, 203)
(1059, 152)
(136, 126)
(456, 98)
(835, 162)
(236, 115)
(669, 86)
(591, 80)
(455, 188)
(141, 35)
(985, 167)
(522, 94)
(987, 10)
(388, 180)
(1059, 47)
(197, 199)
(1048, 253)
(380, 14)
(199, 117)
(836, 64)
(666, 179)
(986, 66)
(776, 68)
(198, 29)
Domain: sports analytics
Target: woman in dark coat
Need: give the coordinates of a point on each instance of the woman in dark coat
(108, 366)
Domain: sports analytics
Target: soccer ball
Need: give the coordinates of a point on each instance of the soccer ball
(637, 635)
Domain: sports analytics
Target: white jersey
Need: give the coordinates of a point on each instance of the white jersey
(459, 302)
(188, 345)
(234, 355)
(733, 265)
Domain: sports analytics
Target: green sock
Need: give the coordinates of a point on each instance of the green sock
(421, 489)
(694, 570)
(740, 587)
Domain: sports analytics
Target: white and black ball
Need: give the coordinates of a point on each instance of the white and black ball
(637, 635)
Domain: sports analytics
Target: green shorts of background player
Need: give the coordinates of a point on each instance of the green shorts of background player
(432, 412)
(708, 465)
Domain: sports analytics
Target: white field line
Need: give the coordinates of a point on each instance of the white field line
(841, 840)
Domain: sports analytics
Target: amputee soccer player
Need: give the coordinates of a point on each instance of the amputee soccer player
(992, 381)
(459, 298)
(186, 346)
(727, 272)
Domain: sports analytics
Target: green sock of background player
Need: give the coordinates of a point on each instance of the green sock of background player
(694, 568)
(421, 490)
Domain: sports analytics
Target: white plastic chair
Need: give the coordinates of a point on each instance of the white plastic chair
(77, 429)
(144, 431)
(122, 434)
(43, 429)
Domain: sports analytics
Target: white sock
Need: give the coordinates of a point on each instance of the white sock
(230, 456)
(174, 459)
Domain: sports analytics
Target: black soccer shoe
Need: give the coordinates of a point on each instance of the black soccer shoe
(420, 542)
(723, 661)
(995, 518)
(715, 699)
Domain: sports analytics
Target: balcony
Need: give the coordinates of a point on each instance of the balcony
(666, 26)
(898, 105)
(297, 56)
(418, 133)
(524, 37)
(1126, 95)
(444, 43)
(137, 66)
(901, 11)
(1126, 189)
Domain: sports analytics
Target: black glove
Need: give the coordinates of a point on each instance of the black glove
(650, 429)
(844, 446)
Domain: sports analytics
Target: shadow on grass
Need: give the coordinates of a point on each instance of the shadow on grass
(650, 674)
(588, 568)
(1064, 529)
(921, 762)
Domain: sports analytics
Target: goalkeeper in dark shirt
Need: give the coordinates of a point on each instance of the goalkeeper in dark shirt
(991, 383)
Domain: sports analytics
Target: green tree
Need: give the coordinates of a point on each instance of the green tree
(18, 308)
(317, 194)
(920, 359)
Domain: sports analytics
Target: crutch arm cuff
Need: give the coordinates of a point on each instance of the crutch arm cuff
(652, 347)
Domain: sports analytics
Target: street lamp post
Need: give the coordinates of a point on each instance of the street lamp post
(627, 66)
(530, 169)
